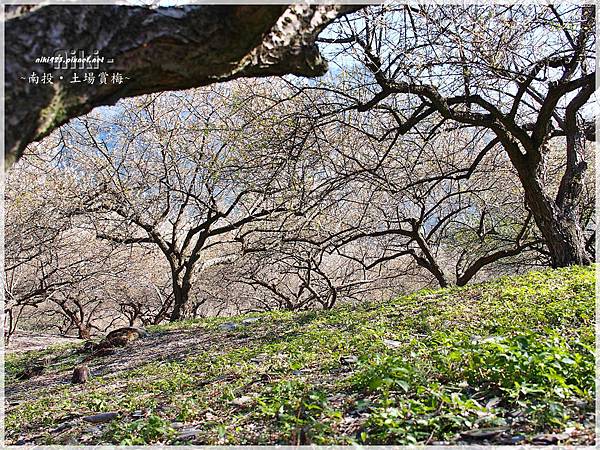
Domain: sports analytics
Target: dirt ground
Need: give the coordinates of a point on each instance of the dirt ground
(23, 341)
(170, 345)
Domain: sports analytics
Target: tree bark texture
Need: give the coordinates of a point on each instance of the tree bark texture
(152, 49)
(559, 224)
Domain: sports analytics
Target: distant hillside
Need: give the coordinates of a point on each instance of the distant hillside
(505, 362)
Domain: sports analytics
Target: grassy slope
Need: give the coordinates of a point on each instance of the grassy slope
(516, 352)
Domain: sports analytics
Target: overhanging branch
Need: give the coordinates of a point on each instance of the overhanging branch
(152, 49)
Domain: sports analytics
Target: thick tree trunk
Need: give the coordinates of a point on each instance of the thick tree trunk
(558, 223)
(563, 235)
(567, 244)
(151, 50)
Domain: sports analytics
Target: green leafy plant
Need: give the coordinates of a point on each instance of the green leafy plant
(150, 430)
(302, 413)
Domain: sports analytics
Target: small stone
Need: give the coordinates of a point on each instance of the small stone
(242, 401)
(350, 359)
(63, 426)
(562, 436)
(93, 430)
(262, 357)
(546, 438)
(511, 440)
(101, 418)
(517, 413)
(228, 326)
(493, 403)
(187, 434)
(543, 438)
(391, 343)
(483, 433)
(250, 320)
(81, 374)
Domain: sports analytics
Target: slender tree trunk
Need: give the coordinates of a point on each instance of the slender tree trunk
(433, 267)
(428, 260)
(11, 328)
(83, 332)
(181, 294)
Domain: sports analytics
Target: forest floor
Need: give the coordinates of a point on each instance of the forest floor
(505, 362)
(24, 341)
